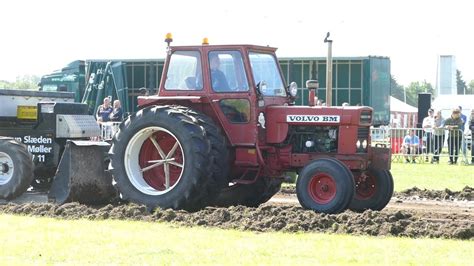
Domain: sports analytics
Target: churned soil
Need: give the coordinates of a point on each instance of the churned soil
(398, 219)
(467, 193)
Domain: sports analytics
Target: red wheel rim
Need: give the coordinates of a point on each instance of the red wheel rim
(365, 186)
(322, 188)
(156, 176)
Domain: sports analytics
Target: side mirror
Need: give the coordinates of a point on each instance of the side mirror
(261, 88)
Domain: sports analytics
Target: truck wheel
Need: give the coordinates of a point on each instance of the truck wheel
(16, 168)
(250, 195)
(374, 190)
(325, 185)
(160, 158)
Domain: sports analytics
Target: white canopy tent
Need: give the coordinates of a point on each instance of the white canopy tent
(398, 106)
(402, 114)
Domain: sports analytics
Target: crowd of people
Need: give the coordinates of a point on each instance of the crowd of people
(106, 116)
(107, 113)
(434, 127)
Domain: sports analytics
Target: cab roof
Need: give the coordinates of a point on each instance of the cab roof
(224, 47)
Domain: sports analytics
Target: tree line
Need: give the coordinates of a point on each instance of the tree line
(409, 94)
(26, 82)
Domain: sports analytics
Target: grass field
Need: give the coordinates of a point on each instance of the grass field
(33, 240)
(28, 240)
(432, 176)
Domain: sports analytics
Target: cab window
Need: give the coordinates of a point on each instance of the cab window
(184, 71)
(236, 110)
(265, 70)
(227, 71)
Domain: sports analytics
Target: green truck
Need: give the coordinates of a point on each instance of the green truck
(356, 81)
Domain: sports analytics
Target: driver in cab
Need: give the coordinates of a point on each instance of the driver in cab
(219, 81)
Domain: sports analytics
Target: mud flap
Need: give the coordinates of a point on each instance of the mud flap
(82, 175)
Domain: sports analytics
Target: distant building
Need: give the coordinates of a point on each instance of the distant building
(446, 77)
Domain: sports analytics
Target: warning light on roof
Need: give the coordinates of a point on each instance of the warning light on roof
(205, 41)
(169, 38)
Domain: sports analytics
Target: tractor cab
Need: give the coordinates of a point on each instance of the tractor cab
(231, 83)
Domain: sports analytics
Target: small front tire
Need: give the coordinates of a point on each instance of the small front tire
(325, 185)
(374, 190)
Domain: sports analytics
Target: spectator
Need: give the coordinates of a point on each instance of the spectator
(453, 124)
(471, 127)
(117, 113)
(463, 118)
(438, 136)
(428, 123)
(411, 146)
(464, 144)
(104, 111)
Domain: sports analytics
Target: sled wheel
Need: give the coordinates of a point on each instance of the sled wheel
(16, 168)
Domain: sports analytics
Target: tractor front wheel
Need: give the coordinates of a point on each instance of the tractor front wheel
(325, 185)
(16, 168)
(374, 189)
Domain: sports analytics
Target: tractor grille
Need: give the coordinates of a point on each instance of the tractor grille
(363, 133)
(362, 139)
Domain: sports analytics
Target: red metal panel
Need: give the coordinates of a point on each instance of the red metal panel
(246, 157)
(347, 139)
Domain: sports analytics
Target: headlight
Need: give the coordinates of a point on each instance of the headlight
(364, 144)
(293, 89)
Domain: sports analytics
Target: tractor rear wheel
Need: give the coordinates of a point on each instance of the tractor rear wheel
(219, 151)
(16, 168)
(250, 195)
(374, 190)
(160, 157)
(325, 185)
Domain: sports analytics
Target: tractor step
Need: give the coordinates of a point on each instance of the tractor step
(82, 174)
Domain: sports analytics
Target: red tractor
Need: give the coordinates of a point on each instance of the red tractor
(223, 131)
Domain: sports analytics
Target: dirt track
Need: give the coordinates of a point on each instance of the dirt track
(411, 214)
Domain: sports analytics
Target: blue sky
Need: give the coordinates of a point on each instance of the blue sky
(41, 36)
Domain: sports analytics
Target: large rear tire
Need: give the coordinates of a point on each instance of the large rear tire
(219, 151)
(16, 168)
(160, 157)
(325, 185)
(250, 195)
(374, 190)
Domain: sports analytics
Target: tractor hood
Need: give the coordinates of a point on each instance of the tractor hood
(279, 118)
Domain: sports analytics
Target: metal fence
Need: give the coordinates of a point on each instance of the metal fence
(414, 145)
(108, 130)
